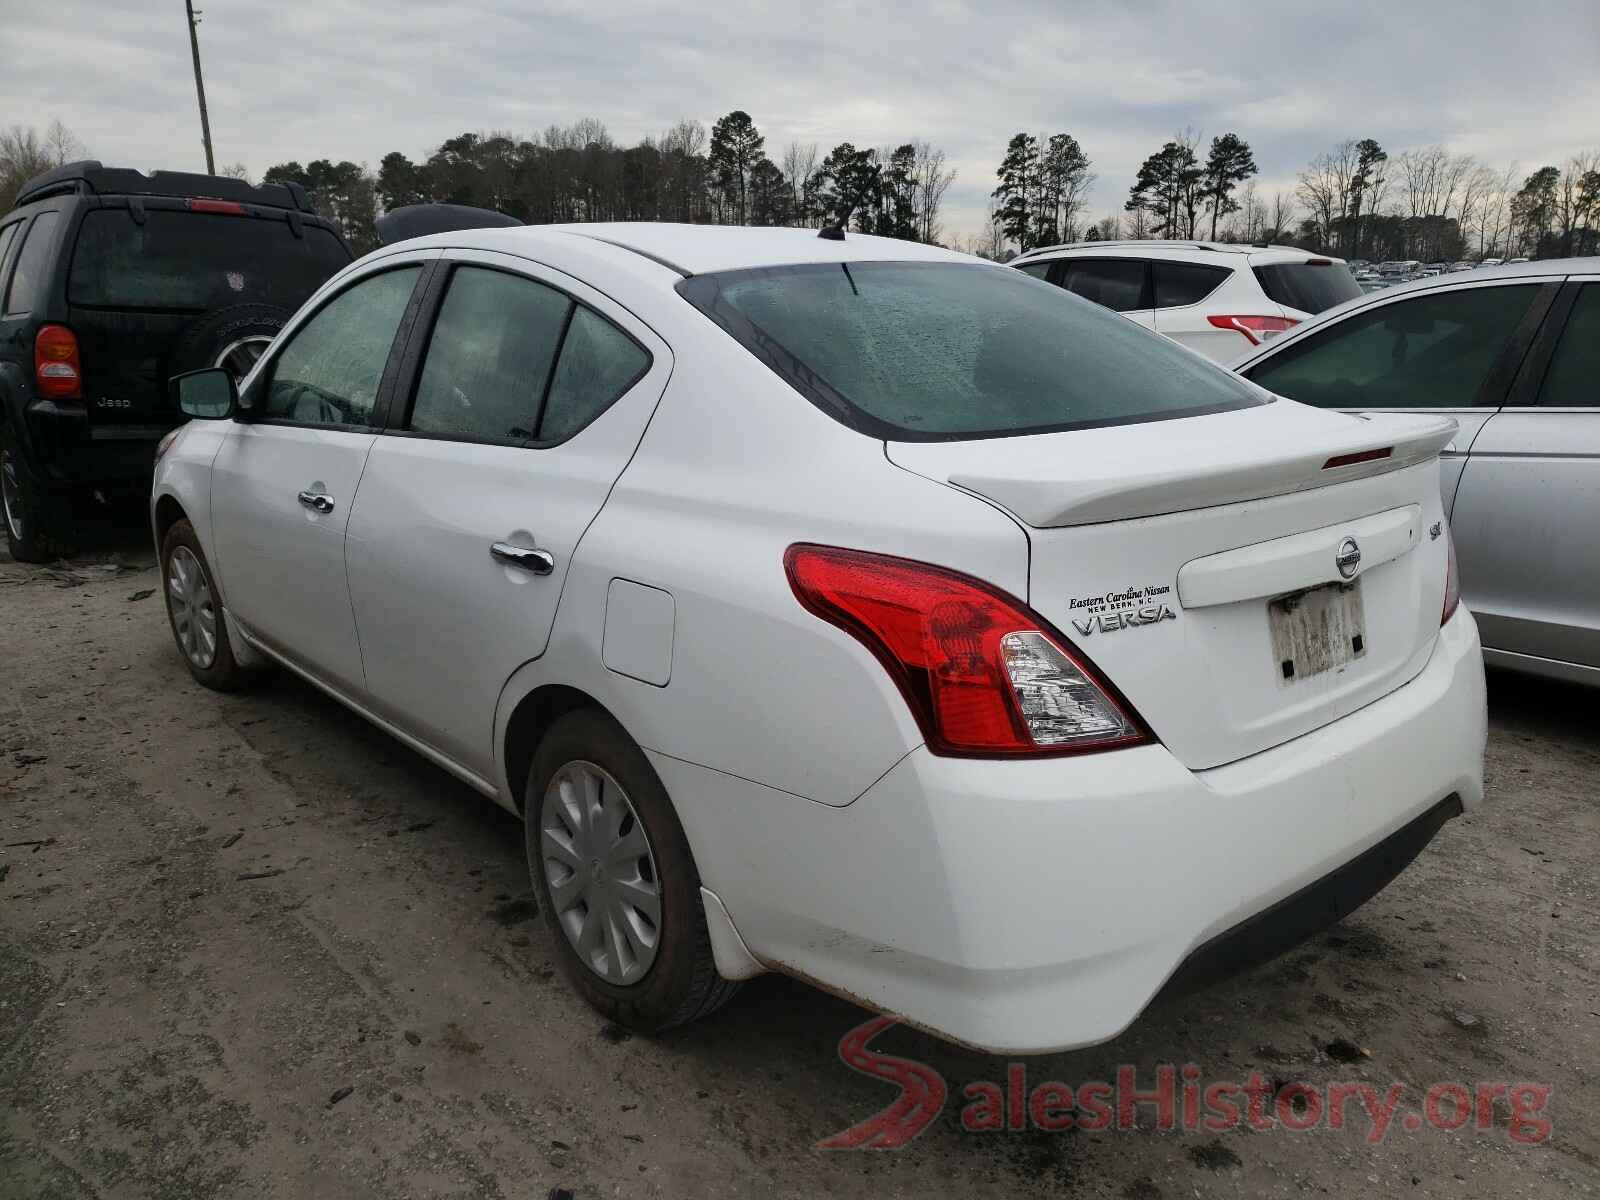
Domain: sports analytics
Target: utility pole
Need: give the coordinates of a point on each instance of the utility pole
(200, 87)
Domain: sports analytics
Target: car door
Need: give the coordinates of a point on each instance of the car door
(528, 393)
(1181, 313)
(1120, 284)
(1528, 508)
(284, 481)
(1451, 350)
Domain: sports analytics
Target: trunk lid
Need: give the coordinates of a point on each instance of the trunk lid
(1188, 559)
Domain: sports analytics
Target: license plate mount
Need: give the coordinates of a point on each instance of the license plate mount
(1317, 630)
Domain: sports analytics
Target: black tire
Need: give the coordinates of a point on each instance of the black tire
(223, 673)
(682, 983)
(31, 513)
(206, 341)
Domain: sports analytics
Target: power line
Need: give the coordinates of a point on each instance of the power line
(200, 86)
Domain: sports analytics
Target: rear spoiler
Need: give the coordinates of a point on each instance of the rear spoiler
(421, 220)
(1178, 476)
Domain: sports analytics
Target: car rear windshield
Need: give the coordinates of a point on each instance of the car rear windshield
(184, 260)
(1308, 286)
(946, 351)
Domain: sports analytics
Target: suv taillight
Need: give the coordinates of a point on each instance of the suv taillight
(1257, 329)
(984, 676)
(56, 370)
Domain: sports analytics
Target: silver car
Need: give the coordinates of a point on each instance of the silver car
(1513, 354)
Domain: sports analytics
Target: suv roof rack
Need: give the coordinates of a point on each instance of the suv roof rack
(1181, 243)
(91, 178)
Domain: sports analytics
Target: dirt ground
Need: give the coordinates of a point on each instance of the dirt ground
(250, 946)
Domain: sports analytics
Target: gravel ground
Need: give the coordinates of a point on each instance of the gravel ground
(249, 946)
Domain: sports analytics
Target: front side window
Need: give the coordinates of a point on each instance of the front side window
(29, 281)
(1435, 350)
(329, 372)
(1573, 380)
(1114, 283)
(1039, 270)
(1179, 283)
(943, 351)
(490, 357)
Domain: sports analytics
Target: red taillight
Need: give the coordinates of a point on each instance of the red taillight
(56, 371)
(1360, 456)
(229, 207)
(1257, 329)
(984, 676)
(1452, 580)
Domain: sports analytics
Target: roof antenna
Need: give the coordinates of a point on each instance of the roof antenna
(831, 233)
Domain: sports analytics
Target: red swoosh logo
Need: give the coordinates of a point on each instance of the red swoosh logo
(922, 1093)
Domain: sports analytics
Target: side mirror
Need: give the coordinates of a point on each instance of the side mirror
(210, 394)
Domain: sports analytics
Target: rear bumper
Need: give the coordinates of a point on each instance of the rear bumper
(1025, 907)
(70, 449)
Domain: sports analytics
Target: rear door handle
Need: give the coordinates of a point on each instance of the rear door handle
(540, 562)
(320, 501)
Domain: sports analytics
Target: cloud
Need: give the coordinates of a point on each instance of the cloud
(358, 78)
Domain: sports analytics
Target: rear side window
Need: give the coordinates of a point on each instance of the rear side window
(1310, 286)
(196, 261)
(329, 372)
(1178, 284)
(1435, 350)
(8, 237)
(29, 281)
(490, 357)
(1573, 380)
(945, 351)
(1119, 284)
(598, 363)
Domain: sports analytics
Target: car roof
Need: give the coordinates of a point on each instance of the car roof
(1448, 281)
(701, 249)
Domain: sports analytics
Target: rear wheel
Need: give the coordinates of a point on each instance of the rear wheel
(616, 882)
(194, 610)
(29, 511)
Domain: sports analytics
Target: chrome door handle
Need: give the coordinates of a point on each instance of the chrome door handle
(320, 501)
(540, 562)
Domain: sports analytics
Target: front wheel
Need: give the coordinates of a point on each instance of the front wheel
(194, 610)
(616, 883)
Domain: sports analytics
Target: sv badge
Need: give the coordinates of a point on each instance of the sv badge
(1127, 618)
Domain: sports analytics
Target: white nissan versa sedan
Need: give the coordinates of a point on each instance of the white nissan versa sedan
(843, 607)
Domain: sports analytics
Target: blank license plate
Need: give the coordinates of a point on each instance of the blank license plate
(1317, 630)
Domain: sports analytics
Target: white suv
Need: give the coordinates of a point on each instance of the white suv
(1214, 297)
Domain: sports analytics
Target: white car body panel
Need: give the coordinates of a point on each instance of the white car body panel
(830, 841)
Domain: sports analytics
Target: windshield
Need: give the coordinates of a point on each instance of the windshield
(184, 260)
(944, 351)
(1309, 286)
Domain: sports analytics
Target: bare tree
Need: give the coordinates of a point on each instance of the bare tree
(1109, 228)
(932, 181)
(236, 171)
(1575, 199)
(799, 167)
(24, 154)
(1277, 217)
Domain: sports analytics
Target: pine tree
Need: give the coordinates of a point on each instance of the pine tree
(1017, 196)
(736, 145)
(1229, 164)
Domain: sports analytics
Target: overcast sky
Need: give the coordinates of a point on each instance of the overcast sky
(357, 78)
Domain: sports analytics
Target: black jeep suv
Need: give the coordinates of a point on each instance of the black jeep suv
(112, 281)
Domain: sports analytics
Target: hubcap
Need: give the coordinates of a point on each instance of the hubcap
(238, 357)
(194, 614)
(604, 890)
(10, 494)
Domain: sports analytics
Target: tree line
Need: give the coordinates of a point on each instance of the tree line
(1357, 200)
(578, 172)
